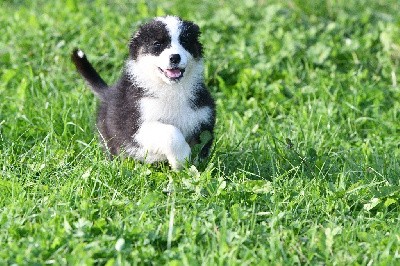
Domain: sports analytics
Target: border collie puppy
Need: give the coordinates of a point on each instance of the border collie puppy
(160, 105)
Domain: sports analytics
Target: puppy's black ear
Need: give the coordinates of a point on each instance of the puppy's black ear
(134, 46)
(190, 38)
(199, 46)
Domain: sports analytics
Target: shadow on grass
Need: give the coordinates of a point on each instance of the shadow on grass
(279, 159)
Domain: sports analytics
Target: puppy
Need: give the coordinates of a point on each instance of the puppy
(159, 107)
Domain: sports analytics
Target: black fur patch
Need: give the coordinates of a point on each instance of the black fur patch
(201, 99)
(189, 39)
(151, 38)
(119, 115)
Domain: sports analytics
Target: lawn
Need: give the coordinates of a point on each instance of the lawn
(306, 164)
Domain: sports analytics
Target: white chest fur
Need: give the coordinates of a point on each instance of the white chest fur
(173, 107)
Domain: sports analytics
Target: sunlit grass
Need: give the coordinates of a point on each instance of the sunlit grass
(306, 163)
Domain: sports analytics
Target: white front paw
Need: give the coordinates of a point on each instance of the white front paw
(180, 157)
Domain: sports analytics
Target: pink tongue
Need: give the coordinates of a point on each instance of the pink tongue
(173, 73)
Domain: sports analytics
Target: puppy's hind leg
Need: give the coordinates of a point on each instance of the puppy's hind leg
(166, 140)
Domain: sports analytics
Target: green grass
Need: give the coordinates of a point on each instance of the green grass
(306, 164)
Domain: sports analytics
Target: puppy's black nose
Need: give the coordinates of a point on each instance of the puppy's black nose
(174, 58)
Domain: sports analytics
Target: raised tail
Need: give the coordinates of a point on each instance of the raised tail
(83, 66)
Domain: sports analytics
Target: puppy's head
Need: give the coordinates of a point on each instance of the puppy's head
(166, 50)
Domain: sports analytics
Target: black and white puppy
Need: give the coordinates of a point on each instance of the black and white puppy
(160, 105)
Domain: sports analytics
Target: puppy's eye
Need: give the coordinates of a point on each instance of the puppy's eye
(156, 44)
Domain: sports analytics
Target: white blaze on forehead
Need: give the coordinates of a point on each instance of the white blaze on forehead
(173, 26)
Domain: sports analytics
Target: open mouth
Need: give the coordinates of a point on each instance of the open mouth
(173, 73)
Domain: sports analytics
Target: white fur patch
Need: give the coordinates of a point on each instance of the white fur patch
(173, 107)
(161, 141)
(80, 53)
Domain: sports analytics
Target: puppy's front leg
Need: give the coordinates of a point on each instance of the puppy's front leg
(164, 139)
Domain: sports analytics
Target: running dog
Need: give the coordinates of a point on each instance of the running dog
(160, 105)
